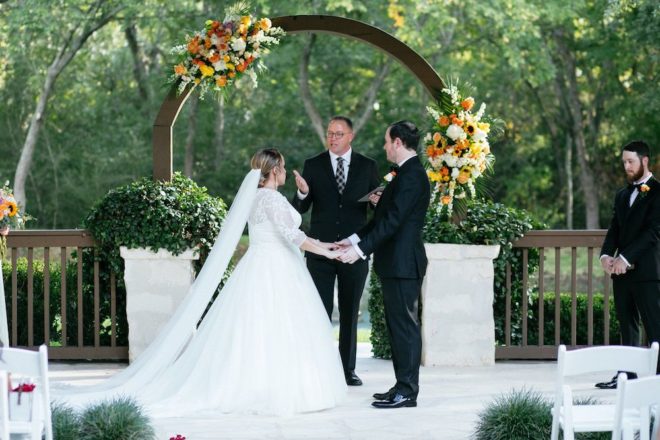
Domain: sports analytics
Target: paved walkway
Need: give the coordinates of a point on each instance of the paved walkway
(449, 402)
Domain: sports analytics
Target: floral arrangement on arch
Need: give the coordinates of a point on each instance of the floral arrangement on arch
(216, 56)
(457, 148)
(10, 215)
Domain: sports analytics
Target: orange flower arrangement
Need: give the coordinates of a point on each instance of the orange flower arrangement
(223, 51)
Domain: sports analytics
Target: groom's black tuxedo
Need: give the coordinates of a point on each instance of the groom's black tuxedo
(394, 236)
(334, 217)
(634, 232)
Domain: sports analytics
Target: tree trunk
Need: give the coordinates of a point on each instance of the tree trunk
(370, 96)
(306, 94)
(587, 184)
(569, 182)
(219, 138)
(139, 71)
(72, 44)
(189, 155)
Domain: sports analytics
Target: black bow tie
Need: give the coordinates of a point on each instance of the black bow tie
(633, 186)
(394, 168)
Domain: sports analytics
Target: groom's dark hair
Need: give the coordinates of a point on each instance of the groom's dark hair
(344, 119)
(407, 132)
(640, 147)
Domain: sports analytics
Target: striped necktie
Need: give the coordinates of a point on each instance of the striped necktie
(341, 175)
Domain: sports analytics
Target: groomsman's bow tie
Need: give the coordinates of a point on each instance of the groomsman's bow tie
(394, 168)
(633, 186)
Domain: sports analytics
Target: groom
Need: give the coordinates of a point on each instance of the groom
(394, 236)
(331, 184)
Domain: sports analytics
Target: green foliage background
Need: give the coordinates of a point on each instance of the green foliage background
(97, 126)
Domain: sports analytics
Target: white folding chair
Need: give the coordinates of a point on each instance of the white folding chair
(636, 401)
(32, 365)
(4, 406)
(597, 417)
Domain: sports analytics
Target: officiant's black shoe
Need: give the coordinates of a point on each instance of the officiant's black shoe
(611, 384)
(397, 401)
(385, 396)
(352, 379)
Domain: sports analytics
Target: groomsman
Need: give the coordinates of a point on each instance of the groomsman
(394, 236)
(631, 251)
(331, 184)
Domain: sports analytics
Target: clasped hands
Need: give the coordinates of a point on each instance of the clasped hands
(613, 265)
(341, 250)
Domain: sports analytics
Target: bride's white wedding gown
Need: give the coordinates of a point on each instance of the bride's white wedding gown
(266, 345)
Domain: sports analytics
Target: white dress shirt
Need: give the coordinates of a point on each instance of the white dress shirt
(333, 160)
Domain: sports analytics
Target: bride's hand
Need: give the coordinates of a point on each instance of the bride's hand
(327, 246)
(333, 254)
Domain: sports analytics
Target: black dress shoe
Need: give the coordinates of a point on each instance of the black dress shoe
(352, 379)
(385, 396)
(397, 401)
(611, 385)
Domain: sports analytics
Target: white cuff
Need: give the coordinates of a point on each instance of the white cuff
(624, 260)
(301, 196)
(354, 239)
(359, 251)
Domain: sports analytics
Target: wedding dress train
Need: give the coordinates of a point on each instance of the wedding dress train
(265, 346)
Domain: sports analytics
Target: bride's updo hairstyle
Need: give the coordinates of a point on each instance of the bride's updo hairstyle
(266, 160)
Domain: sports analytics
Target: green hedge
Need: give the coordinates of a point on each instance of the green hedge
(565, 319)
(71, 303)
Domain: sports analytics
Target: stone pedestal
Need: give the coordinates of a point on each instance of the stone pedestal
(458, 328)
(156, 283)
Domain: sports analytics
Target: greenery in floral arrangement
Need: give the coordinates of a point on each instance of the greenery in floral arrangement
(116, 419)
(66, 423)
(174, 215)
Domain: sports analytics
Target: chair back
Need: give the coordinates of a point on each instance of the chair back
(34, 365)
(641, 395)
(4, 406)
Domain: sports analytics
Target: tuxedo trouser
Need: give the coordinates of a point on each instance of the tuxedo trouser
(351, 279)
(635, 300)
(401, 301)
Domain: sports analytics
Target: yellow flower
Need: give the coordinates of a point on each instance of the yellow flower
(434, 176)
(206, 70)
(230, 66)
(470, 128)
(484, 126)
(265, 24)
(226, 58)
(446, 200)
(13, 209)
(246, 20)
(197, 81)
(644, 188)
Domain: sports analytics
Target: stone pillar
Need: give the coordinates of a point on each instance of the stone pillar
(156, 283)
(458, 327)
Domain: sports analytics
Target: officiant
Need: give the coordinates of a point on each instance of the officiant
(331, 184)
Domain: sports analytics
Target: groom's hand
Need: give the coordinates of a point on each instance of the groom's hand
(343, 244)
(301, 183)
(349, 256)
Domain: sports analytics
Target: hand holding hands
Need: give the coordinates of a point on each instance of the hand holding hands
(619, 267)
(607, 263)
(301, 183)
(349, 255)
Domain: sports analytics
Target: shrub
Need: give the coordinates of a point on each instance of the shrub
(519, 415)
(565, 319)
(66, 424)
(485, 223)
(380, 340)
(116, 419)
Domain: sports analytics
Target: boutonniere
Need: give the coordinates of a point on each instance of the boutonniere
(644, 189)
(389, 176)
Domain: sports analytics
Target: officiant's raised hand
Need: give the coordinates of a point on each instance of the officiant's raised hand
(301, 183)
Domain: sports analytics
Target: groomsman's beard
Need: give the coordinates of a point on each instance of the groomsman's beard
(635, 176)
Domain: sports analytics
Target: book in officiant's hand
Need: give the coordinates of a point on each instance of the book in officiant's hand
(365, 198)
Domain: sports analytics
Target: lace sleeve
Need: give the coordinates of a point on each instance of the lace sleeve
(279, 211)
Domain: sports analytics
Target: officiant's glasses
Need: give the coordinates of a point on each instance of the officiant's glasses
(335, 134)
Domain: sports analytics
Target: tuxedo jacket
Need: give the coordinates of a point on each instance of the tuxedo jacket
(394, 235)
(634, 232)
(336, 216)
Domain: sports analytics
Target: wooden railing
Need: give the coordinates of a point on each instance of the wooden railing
(63, 249)
(552, 245)
(522, 338)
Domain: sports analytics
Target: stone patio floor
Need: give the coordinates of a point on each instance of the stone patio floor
(449, 402)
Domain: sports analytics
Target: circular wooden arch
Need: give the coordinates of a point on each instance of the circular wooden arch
(344, 27)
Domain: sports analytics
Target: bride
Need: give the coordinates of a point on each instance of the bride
(265, 346)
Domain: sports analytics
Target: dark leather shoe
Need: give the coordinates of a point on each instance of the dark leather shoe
(385, 396)
(611, 384)
(352, 379)
(397, 401)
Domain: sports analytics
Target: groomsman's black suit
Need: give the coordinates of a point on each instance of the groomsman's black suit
(634, 232)
(394, 236)
(335, 216)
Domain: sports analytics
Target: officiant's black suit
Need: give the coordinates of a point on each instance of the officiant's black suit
(334, 217)
(394, 236)
(634, 232)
